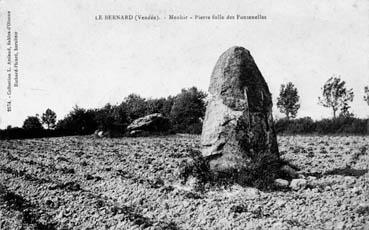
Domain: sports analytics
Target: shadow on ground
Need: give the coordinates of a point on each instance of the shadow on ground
(347, 171)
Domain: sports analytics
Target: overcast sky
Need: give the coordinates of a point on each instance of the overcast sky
(68, 58)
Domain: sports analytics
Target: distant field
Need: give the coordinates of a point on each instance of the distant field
(132, 183)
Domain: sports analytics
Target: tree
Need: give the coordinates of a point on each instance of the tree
(288, 100)
(167, 106)
(112, 118)
(78, 122)
(136, 106)
(161, 105)
(366, 94)
(49, 118)
(32, 123)
(154, 105)
(187, 111)
(336, 96)
(104, 117)
(120, 114)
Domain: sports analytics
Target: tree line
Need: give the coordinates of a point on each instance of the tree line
(186, 111)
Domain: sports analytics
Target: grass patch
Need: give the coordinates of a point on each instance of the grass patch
(260, 172)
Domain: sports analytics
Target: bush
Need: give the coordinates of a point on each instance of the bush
(32, 123)
(20, 133)
(260, 172)
(296, 126)
(340, 125)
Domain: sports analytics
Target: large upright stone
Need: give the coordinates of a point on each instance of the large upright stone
(238, 126)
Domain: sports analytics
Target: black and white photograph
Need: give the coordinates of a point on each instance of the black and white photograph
(181, 115)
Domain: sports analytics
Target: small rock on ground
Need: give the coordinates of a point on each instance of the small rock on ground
(297, 184)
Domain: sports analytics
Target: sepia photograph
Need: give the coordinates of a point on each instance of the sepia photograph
(181, 115)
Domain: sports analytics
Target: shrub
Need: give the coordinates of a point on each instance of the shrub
(260, 172)
(32, 123)
(296, 126)
(339, 125)
(342, 125)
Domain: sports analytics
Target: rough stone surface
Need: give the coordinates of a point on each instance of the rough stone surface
(289, 171)
(297, 184)
(155, 122)
(238, 125)
(281, 183)
(99, 133)
(108, 133)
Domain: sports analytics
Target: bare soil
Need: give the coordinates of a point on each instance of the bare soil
(133, 183)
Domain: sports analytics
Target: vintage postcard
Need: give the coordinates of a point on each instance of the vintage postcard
(177, 114)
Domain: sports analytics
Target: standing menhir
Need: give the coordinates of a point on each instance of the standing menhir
(238, 126)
